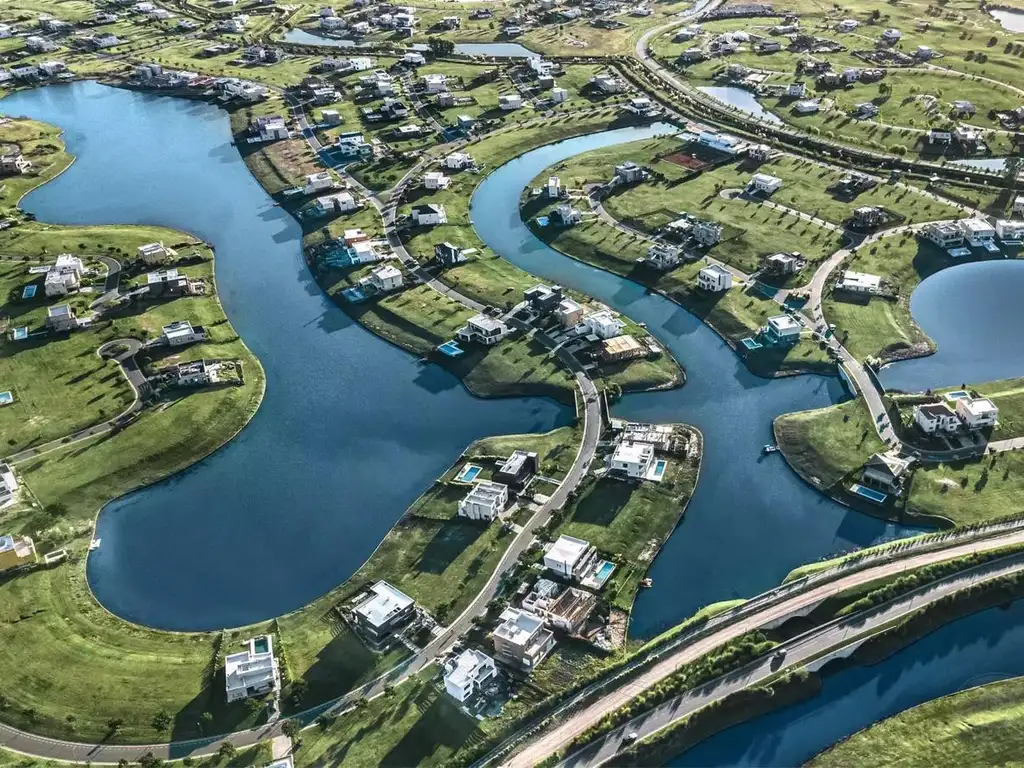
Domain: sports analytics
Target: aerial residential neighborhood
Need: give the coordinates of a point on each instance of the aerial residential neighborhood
(472, 384)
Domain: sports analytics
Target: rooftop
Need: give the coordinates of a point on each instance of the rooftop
(384, 604)
(517, 627)
(568, 550)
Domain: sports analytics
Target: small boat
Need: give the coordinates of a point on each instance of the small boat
(647, 583)
(770, 448)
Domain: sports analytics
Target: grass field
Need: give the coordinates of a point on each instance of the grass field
(969, 492)
(982, 726)
(630, 521)
(828, 443)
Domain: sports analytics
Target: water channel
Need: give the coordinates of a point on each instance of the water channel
(352, 429)
(497, 50)
(1011, 20)
(741, 99)
(751, 519)
(977, 649)
(987, 297)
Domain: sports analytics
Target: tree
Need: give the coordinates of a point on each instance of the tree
(1012, 169)
(149, 760)
(290, 728)
(205, 721)
(227, 751)
(161, 721)
(114, 725)
(441, 47)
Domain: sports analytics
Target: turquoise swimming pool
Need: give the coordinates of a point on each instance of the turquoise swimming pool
(468, 473)
(659, 469)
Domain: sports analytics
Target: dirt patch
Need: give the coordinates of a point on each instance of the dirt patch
(687, 161)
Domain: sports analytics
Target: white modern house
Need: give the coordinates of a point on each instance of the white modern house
(632, 458)
(858, 282)
(385, 278)
(603, 324)
(510, 101)
(714, 278)
(782, 329)
(706, 233)
(1010, 230)
(553, 190)
(318, 182)
(569, 557)
(485, 501)
(662, 256)
(943, 234)
(1018, 205)
(434, 83)
(252, 672)
(64, 276)
(977, 232)
(61, 318)
(436, 180)
(182, 332)
(483, 329)
(458, 161)
(339, 202)
(383, 611)
(151, 252)
(428, 215)
(8, 485)
(764, 183)
(935, 417)
(466, 673)
(521, 639)
(977, 412)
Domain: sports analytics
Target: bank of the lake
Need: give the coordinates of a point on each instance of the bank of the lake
(392, 411)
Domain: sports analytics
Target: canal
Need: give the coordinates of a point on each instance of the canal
(351, 430)
(751, 519)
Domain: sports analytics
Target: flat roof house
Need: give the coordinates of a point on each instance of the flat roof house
(782, 329)
(386, 278)
(662, 256)
(483, 330)
(629, 172)
(603, 324)
(466, 674)
(339, 202)
(456, 161)
(13, 162)
(935, 417)
(1018, 205)
(510, 101)
(632, 458)
(61, 318)
(784, 263)
(553, 190)
(64, 276)
(383, 612)
(977, 232)
(714, 278)
(317, 182)
(764, 183)
(436, 180)
(568, 313)
(151, 252)
(252, 672)
(485, 501)
(1010, 231)
(182, 332)
(706, 233)
(194, 374)
(521, 639)
(858, 282)
(566, 216)
(543, 298)
(8, 485)
(517, 469)
(569, 557)
(943, 234)
(16, 552)
(977, 412)
(885, 472)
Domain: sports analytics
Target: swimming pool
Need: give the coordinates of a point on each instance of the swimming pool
(29, 291)
(6, 398)
(468, 473)
(450, 348)
(876, 496)
(659, 470)
(958, 395)
(261, 645)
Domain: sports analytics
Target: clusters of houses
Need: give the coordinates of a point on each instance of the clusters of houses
(958, 237)
(967, 413)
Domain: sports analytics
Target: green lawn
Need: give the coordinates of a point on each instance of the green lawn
(629, 522)
(970, 492)
(827, 444)
(982, 726)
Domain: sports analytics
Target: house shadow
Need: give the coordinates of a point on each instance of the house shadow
(603, 502)
(451, 538)
(341, 666)
(209, 715)
(440, 724)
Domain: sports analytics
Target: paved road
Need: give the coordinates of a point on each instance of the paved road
(839, 637)
(110, 283)
(798, 603)
(140, 388)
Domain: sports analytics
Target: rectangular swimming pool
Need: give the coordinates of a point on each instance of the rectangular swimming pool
(867, 493)
(261, 645)
(29, 291)
(6, 398)
(468, 473)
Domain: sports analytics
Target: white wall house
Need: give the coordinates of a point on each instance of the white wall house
(603, 324)
(943, 234)
(714, 278)
(181, 332)
(434, 83)
(428, 215)
(858, 282)
(521, 639)
(482, 329)
(8, 485)
(977, 232)
(151, 252)
(569, 557)
(935, 417)
(510, 101)
(436, 180)
(467, 673)
(633, 458)
(340, 202)
(977, 412)
(485, 501)
(64, 276)
(1010, 230)
(662, 256)
(764, 183)
(1018, 205)
(252, 672)
(318, 182)
(456, 161)
(553, 190)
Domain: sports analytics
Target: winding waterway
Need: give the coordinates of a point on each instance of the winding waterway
(977, 649)
(351, 430)
(751, 519)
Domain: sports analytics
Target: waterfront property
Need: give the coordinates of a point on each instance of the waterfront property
(152, 253)
(561, 607)
(886, 472)
(467, 673)
(714, 278)
(65, 276)
(570, 557)
(252, 672)
(935, 417)
(381, 611)
(483, 329)
(521, 640)
(182, 332)
(16, 551)
(485, 501)
(782, 330)
(518, 469)
(634, 459)
(858, 282)
(977, 412)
